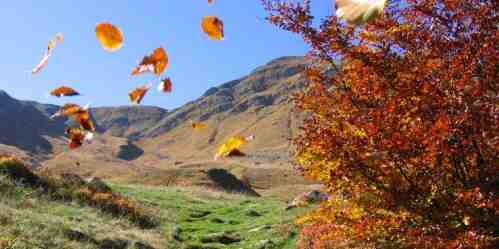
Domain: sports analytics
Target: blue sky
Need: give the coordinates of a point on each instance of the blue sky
(196, 62)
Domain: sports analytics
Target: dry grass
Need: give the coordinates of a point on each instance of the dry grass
(63, 190)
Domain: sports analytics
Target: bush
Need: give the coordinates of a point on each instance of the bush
(15, 169)
(117, 205)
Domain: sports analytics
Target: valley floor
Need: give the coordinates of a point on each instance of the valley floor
(189, 217)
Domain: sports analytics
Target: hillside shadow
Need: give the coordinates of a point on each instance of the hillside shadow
(129, 152)
(229, 182)
(25, 127)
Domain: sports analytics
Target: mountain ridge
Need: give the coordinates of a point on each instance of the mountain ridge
(258, 103)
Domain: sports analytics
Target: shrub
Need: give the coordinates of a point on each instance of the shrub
(15, 169)
(118, 205)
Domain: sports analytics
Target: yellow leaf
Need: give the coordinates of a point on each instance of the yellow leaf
(232, 145)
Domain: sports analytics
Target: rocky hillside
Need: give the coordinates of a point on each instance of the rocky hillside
(127, 121)
(24, 126)
(258, 103)
(268, 85)
(26, 130)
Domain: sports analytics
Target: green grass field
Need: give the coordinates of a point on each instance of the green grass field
(188, 218)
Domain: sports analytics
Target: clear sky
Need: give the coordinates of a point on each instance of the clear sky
(196, 62)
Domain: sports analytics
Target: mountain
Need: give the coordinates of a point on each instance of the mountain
(266, 86)
(127, 121)
(137, 142)
(257, 104)
(25, 129)
(24, 126)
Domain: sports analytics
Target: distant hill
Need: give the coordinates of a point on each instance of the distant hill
(131, 122)
(25, 129)
(24, 126)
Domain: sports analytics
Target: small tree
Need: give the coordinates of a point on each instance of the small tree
(404, 124)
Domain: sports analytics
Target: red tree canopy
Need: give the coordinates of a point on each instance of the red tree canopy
(404, 121)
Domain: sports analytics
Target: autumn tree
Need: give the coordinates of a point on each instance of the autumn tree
(403, 124)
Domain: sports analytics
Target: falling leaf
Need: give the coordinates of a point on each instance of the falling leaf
(79, 114)
(155, 63)
(138, 94)
(64, 91)
(210, 1)
(83, 118)
(110, 37)
(59, 38)
(48, 53)
(78, 136)
(42, 64)
(213, 27)
(358, 12)
(67, 110)
(232, 146)
(199, 126)
(165, 85)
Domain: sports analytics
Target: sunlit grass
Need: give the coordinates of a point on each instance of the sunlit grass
(29, 220)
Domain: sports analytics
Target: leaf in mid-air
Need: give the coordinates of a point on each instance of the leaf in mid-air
(213, 27)
(64, 91)
(110, 37)
(138, 94)
(78, 136)
(155, 63)
(67, 110)
(79, 114)
(165, 85)
(232, 144)
(58, 38)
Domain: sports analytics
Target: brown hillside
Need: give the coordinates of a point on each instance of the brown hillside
(256, 104)
(159, 147)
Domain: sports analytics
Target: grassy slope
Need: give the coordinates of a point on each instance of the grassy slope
(28, 221)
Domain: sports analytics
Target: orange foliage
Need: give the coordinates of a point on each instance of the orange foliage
(156, 63)
(405, 129)
(110, 36)
(64, 91)
(117, 205)
(213, 27)
(137, 94)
